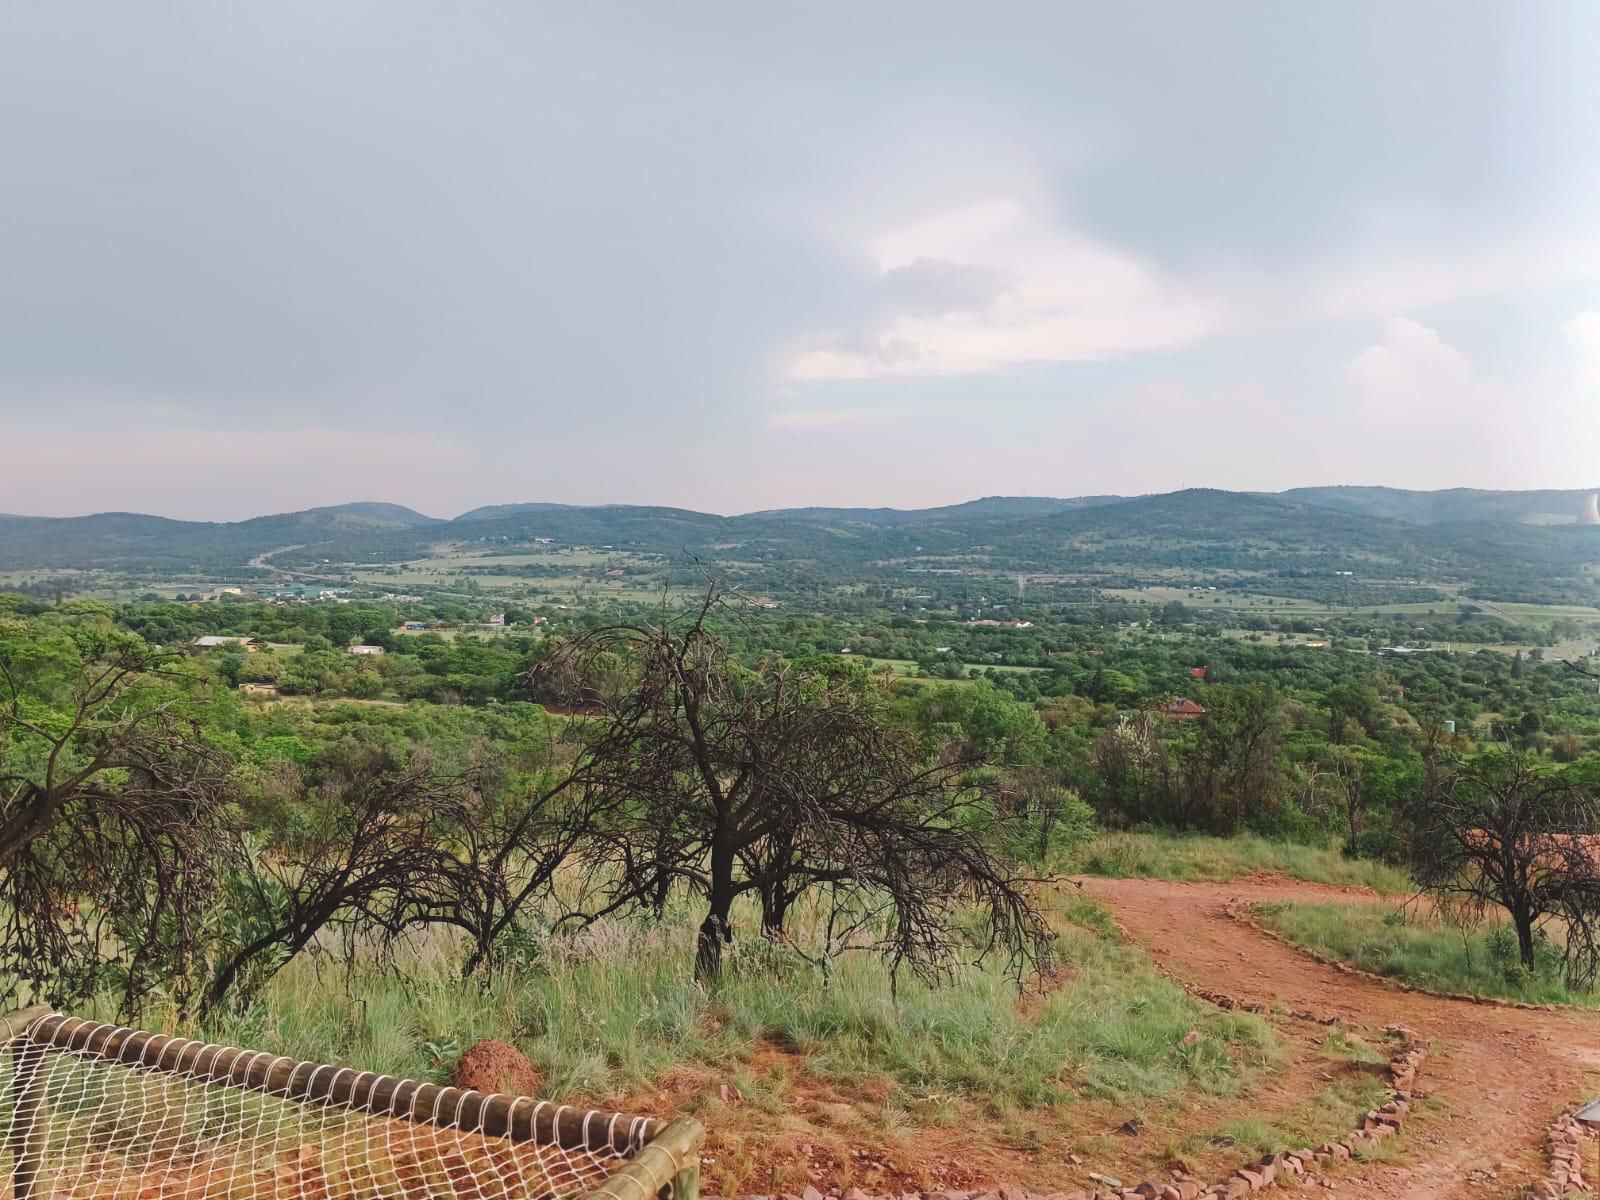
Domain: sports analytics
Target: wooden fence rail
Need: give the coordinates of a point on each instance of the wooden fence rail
(662, 1157)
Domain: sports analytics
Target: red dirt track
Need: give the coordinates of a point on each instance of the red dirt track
(1495, 1081)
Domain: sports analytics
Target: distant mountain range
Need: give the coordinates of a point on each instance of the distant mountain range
(1400, 504)
(1518, 540)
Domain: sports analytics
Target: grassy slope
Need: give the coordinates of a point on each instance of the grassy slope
(969, 1083)
(616, 1009)
(613, 1019)
(1196, 857)
(1423, 949)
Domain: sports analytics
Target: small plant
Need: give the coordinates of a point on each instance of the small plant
(1501, 947)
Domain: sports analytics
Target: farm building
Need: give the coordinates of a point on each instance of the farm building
(212, 641)
(258, 689)
(366, 650)
(1182, 709)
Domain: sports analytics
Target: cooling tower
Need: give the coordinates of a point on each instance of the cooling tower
(1589, 514)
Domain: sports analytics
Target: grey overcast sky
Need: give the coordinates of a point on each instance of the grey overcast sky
(256, 257)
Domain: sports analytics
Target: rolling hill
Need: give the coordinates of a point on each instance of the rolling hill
(1314, 534)
(1444, 507)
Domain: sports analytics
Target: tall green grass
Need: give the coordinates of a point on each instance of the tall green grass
(1426, 950)
(1189, 857)
(615, 1010)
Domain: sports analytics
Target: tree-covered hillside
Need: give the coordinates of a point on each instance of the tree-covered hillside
(1287, 543)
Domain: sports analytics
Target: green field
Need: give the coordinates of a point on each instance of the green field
(907, 669)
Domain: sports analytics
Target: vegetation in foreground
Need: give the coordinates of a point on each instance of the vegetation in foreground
(1417, 945)
(520, 838)
(612, 1017)
(610, 1011)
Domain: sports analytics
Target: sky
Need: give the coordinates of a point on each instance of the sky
(729, 256)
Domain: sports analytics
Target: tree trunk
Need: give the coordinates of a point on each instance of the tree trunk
(715, 932)
(717, 929)
(774, 909)
(1524, 925)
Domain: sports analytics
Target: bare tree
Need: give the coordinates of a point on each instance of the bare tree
(1503, 832)
(368, 844)
(112, 806)
(777, 780)
(380, 847)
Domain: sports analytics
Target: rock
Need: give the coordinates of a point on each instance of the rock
(855, 1193)
(1190, 1038)
(1106, 1180)
(496, 1066)
(810, 1193)
(1133, 1126)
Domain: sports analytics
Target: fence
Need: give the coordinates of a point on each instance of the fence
(103, 1112)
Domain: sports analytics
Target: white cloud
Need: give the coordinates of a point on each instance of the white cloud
(1413, 376)
(983, 286)
(1583, 332)
(1366, 282)
(979, 285)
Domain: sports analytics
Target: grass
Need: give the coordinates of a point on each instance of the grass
(1356, 1070)
(1426, 950)
(1190, 857)
(1324, 1116)
(615, 1009)
(612, 1017)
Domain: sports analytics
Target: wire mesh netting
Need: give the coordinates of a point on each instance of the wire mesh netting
(101, 1112)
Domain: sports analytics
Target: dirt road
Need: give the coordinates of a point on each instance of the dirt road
(1496, 1079)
